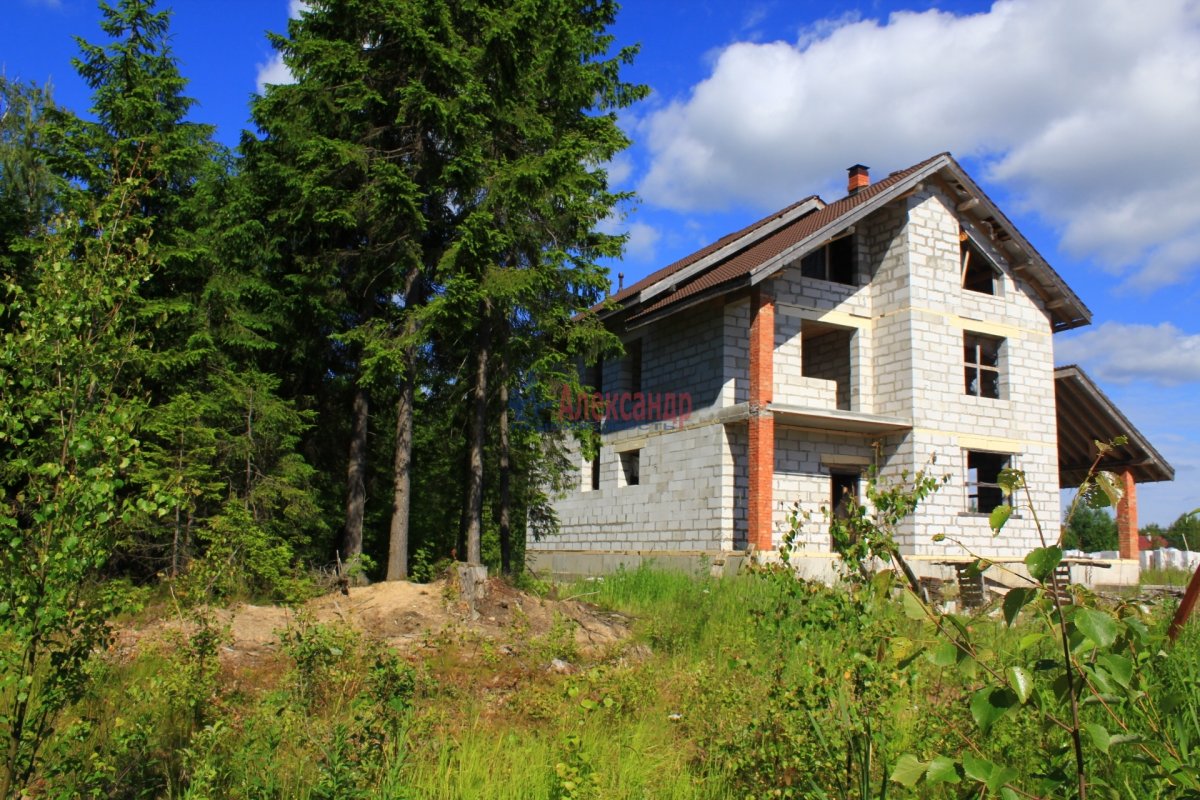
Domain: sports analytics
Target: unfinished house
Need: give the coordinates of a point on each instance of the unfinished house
(907, 325)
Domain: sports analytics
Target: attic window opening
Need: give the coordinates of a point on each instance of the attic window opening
(831, 262)
(978, 273)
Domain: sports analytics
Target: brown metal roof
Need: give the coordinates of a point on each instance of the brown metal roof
(686, 261)
(1086, 415)
(742, 266)
(739, 266)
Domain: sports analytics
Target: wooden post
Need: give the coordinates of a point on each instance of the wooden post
(1186, 607)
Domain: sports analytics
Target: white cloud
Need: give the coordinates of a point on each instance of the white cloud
(273, 71)
(1087, 109)
(619, 170)
(642, 244)
(1159, 354)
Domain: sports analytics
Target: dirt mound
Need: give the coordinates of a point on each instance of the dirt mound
(410, 616)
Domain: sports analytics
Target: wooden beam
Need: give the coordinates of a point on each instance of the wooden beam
(1186, 607)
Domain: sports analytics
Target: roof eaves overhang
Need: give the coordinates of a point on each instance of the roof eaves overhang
(643, 319)
(668, 283)
(1085, 414)
(1066, 309)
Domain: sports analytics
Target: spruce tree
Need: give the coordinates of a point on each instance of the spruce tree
(545, 91)
(356, 152)
(216, 431)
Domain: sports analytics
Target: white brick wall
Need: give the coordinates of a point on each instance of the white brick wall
(905, 321)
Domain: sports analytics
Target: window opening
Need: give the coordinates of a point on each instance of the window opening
(983, 481)
(832, 262)
(981, 365)
(630, 467)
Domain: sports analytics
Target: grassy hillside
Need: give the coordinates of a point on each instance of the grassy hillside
(756, 686)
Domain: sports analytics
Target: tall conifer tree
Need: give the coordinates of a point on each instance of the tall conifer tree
(546, 89)
(357, 149)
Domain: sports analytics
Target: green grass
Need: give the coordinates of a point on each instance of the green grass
(1165, 577)
(751, 686)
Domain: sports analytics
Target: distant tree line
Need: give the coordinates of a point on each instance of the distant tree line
(1094, 529)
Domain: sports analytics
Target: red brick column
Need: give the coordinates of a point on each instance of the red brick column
(1127, 521)
(761, 423)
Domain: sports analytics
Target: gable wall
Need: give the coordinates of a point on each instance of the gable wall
(947, 421)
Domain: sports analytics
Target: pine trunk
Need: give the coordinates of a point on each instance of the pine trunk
(505, 477)
(476, 439)
(356, 480)
(397, 569)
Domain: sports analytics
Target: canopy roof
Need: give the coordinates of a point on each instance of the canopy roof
(1085, 415)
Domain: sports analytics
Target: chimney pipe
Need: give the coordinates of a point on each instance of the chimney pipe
(620, 281)
(860, 178)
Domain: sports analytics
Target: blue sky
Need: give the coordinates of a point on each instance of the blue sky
(1079, 117)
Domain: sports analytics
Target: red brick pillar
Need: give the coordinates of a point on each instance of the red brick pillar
(1127, 521)
(761, 423)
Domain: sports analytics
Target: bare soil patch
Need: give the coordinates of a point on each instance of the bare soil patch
(407, 616)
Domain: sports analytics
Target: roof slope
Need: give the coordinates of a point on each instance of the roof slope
(707, 250)
(757, 251)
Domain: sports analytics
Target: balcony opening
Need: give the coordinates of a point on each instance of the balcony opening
(825, 356)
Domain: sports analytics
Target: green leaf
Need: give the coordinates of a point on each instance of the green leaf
(999, 516)
(1015, 600)
(1098, 735)
(1110, 493)
(1097, 626)
(1021, 681)
(945, 654)
(992, 775)
(913, 607)
(1010, 480)
(942, 770)
(1041, 562)
(1124, 738)
(1138, 628)
(1100, 678)
(1119, 667)
(908, 770)
(990, 704)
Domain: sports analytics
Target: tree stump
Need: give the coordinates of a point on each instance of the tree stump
(472, 584)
